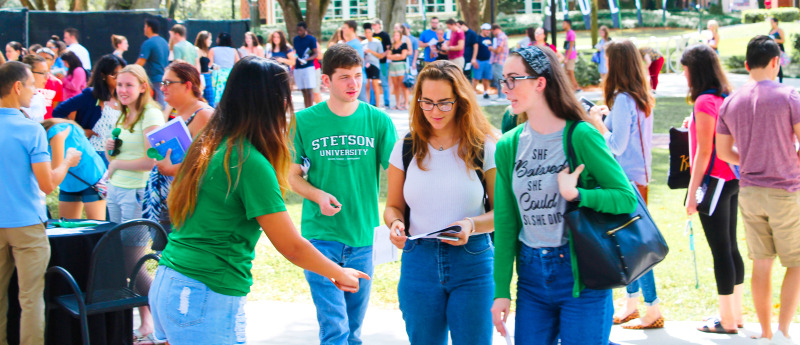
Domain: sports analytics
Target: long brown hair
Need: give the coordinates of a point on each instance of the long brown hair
(627, 73)
(558, 92)
(705, 71)
(144, 100)
(253, 108)
(472, 128)
(200, 41)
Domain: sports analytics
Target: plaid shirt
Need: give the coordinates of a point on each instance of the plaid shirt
(500, 58)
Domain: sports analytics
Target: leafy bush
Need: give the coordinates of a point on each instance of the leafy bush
(784, 14)
(735, 64)
(586, 73)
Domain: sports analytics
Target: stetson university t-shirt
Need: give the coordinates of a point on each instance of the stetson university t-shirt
(216, 244)
(346, 154)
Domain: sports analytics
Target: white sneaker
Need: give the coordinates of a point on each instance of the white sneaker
(779, 339)
(763, 341)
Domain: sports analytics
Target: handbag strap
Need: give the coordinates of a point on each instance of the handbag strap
(80, 179)
(713, 159)
(572, 159)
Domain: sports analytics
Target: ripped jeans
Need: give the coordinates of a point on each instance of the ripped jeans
(186, 311)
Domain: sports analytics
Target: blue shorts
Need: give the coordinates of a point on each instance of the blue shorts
(86, 195)
(483, 72)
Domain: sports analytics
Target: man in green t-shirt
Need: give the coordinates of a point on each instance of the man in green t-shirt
(341, 145)
(181, 48)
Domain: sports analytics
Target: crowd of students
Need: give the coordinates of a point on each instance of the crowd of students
(450, 170)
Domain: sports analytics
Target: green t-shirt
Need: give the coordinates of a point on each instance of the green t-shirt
(185, 51)
(133, 148)
(216, 244)
(346, 154)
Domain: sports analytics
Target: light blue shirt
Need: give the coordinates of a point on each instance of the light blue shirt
(91, 167)
(24, 142)
(625, 141)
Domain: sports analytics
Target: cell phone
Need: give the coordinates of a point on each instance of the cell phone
(587, 104)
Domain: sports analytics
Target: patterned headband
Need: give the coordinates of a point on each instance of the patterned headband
(536, 58)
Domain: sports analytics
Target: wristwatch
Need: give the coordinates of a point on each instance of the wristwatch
(578, 199)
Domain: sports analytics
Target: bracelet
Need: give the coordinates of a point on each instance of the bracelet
(472, 221)
(396, 219)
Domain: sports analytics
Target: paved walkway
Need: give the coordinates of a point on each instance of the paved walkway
(277, 323)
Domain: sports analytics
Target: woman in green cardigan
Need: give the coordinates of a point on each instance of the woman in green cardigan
(532, 189)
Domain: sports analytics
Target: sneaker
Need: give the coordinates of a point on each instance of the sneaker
(779, 339)
(485, 96)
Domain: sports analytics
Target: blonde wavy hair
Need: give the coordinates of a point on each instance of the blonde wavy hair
(145, 98)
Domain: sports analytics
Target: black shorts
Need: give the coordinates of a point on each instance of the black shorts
(373, 72)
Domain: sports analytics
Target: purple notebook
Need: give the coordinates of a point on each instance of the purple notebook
(172, 135)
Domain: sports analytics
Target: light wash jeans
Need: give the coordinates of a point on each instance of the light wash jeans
(447, 288)
(186, 311)
(546, 310)
(648, 285)
(124, 204)
(340, 313)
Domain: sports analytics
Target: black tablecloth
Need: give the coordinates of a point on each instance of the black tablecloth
(73, 251)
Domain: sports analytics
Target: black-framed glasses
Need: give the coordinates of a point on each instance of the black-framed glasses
(41, 73)
(167, 83)
(511, 82)
(443, 106)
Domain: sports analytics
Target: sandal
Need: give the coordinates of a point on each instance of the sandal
(149, 339)
(716, 319)
(630, 316)
(713, 326)
(658, 323)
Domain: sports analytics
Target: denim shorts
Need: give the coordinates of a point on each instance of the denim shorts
(86, 195)
(186, 311)
(483, 72)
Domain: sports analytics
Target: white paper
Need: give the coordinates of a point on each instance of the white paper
(383, 251)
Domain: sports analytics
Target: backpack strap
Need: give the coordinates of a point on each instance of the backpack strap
(408, 155)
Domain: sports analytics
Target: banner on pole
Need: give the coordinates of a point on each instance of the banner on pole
(613, 6)
(586, 10)
(547, 20)
(639, 12)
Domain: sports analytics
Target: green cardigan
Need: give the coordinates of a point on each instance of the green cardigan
(601, 170)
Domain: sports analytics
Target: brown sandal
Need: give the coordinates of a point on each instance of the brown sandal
(658, 323)
(630, 316)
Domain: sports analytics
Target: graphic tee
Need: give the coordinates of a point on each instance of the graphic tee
(52, 92)
(216, 244)
(345, 154)
(540, 157)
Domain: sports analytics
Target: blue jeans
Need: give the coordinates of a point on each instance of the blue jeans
(546, 310)
(497, 73)
(186, 311)
(648, 284)
(385, 82)
(362, 96)
(444, 287)
(208, 92)
(340, 313)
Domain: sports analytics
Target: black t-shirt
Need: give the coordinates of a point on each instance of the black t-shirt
(483, 48)
(442, 54)
(400, 50)
(470, 38)
(386, 41)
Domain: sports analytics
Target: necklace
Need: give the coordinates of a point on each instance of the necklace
(441, 147)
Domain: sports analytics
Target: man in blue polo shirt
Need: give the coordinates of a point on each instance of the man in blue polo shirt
(154, 57)
(428, 39)
(26, 177)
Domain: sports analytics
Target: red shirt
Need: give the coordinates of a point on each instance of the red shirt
(53, 92)
(455, 36)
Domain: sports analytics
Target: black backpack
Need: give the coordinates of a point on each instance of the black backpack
(408, 155)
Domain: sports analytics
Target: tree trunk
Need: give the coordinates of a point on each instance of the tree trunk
(39, 4)
(399, 12)
(594, 22)
(391, 12)
(471, 11)
(51, 5)
(486, 13)
(291, 16)
(28, 4)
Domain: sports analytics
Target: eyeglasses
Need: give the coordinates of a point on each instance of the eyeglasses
(511, 82)
(167, 83)
(41, 73)
(428, 105)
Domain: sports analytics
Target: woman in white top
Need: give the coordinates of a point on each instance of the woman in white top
(450, 142)
(222, 58)
(250, 46)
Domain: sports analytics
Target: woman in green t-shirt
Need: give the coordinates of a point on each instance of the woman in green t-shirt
(232, 187)
(129, 168)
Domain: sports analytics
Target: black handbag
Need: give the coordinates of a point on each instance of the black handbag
(680, 171)
(612, 250)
